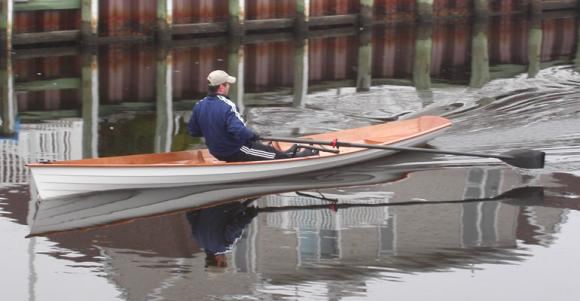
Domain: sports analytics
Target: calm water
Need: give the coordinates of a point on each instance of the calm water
(139, 245)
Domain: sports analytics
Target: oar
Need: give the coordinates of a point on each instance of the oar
(531, 194)
(524, 158)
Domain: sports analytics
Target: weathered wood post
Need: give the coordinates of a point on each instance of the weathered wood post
(422, 60)
(425, 11)
(366, 13)
(164, 101)
(300, 72)
(90, 98)
(6, 24)
(164, 20)
(237, 15)
(7, 97)
(235, 68)
(479, 55)
(534, 46)
(481, 9)
(302, 17)
(365, 61)
(535, 8)
(89, 21)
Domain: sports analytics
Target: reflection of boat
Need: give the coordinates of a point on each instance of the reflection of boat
(105, 207)
(198, 167)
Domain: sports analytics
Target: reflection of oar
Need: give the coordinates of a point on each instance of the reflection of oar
(529, 194)
(524, 158)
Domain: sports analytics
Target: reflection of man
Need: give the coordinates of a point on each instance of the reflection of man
(216, 229)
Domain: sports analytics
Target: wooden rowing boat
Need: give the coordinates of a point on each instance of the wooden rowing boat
(93, 209)
(198, 167)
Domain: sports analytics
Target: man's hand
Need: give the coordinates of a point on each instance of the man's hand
(251, 211)
(256, 137)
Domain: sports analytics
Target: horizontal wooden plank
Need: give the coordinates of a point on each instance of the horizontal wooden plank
(200, 28)
(559, 5)
(33, 5)
(47, 51)
(269, 24)
(334, 20)
(46, 37)
(53, 84)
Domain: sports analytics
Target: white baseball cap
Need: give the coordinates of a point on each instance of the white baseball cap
(218, 77)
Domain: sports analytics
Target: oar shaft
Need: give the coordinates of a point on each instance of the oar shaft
(532, 193)
(385, 147)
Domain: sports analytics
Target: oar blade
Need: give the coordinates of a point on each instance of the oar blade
(521, 193)
(525, 158)
(524, 196)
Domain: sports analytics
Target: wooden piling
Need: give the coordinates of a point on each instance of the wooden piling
(479, 55)
(366, 13)
(425, 11)
(535, 8)
(6, 24)
(481, 10)
(89, 21)
(164, 20)
(237, 15)
(90, 98)
(302, 16)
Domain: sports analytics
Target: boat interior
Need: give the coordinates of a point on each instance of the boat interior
(386, 133)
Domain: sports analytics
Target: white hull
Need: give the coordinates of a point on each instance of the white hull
(62, 181)
(107, 207)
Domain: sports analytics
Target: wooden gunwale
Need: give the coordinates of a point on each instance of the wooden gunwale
(194, 154)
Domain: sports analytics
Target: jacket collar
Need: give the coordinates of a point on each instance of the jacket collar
(217, 94)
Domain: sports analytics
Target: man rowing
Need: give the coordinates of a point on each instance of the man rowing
(217, 119)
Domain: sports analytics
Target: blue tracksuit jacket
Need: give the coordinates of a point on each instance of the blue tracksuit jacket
(217, 119)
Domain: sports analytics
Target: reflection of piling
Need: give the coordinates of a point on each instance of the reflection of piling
(365, 57)
(577, 57)
(90, 98)
(6, 24)
(300, 72)
(7, 97)
(89, 21)
(479, 55)
(236, 68)
(164, 101)
(534, 47)
(422, 60)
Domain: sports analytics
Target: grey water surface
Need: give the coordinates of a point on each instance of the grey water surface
(138, 245)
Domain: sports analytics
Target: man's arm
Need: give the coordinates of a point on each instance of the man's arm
(237, 127)
(192, 125)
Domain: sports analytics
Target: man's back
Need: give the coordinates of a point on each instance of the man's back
(216, 119)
